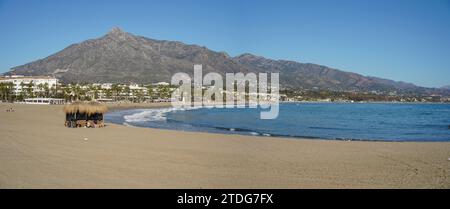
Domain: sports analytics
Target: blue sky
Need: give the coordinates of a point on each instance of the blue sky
(406, 40)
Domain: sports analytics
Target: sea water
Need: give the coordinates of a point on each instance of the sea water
(335, 121)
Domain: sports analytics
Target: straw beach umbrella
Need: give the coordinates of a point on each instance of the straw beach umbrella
(80, 114)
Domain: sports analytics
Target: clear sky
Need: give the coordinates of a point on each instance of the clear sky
(406, 40)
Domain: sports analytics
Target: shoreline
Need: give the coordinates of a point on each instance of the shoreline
(126, 106)
(37, 151)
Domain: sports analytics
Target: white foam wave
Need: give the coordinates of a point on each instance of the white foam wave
(152, 114)
(127, 124)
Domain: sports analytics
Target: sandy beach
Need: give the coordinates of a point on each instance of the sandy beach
(37, 151)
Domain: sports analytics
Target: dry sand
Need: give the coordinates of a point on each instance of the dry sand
(37, 151)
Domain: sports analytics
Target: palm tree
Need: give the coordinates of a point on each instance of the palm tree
(97, 90)
(76, 90)
(108, 93)
(150, 91)
(82, 94)
(54, 92)
(6, 91)
(46, 90)
(29, 89)
(117, 90)
(67, 93)
(3, 91)
(22, 90)
(127, 92)
(137, 95)
(10, 91)
(40, 88)
(140, 95)
(91, 90)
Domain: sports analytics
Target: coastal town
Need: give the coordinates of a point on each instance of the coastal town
(49, 90)
(23, 88)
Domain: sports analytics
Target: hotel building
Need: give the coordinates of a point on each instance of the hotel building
(22, 81)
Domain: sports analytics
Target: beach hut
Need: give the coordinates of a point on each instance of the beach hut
(80, 114)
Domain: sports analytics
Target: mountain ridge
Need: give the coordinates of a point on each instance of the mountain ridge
(122, 57)
(445, 87)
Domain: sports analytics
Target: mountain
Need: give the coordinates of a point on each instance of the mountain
(122, 57)
(309, 75)
(446, 87)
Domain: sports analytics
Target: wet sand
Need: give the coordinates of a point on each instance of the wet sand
(37, 151)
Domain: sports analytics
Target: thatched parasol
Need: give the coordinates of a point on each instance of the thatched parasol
(88, 108)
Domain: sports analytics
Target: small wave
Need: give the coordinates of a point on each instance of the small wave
(234, 129)
(330, 128)
(148, 115)
(127, 124)
(245, 131)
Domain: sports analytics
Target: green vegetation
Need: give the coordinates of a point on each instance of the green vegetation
(357, 96)
(142, 93)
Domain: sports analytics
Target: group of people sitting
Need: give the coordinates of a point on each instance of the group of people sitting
(84, 123)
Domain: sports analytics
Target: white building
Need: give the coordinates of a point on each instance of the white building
(44, 101)
(24, 81)
(106, 85)
(161, 84)
(134, 86)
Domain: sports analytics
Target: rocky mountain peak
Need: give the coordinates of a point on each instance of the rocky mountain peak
(248, 57)
(116, 32)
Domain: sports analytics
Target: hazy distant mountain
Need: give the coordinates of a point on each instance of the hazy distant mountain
(446, 87)
(122, 57)
(311, 75)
